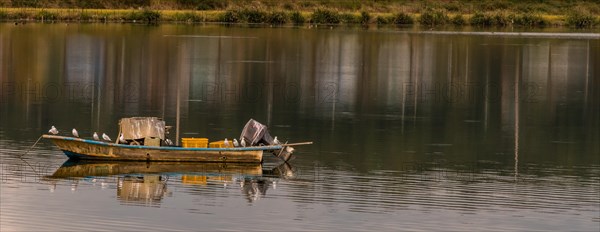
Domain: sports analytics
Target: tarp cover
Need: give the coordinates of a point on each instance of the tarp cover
(256, 133)
(142, 127)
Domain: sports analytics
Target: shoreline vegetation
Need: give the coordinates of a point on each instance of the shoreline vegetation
(432, 13)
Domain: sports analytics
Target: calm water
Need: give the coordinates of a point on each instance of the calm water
(412, 130)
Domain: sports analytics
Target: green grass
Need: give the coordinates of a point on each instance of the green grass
(402, 19)
(581, 18)
(458, 20)
(187, 17)
(482, 19)
(297, 18)
(530, 20)
(441, 13)
(229, 16)
(365, 18)
(325, 16)
(465, 7)
(143, 16)
(350, 18)
(434, 17)
(277, 17)
(46, 16)
(252, 15)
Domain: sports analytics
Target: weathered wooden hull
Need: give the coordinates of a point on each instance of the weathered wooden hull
(77, 148)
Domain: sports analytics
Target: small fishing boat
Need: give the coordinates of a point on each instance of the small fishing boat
(142, 139)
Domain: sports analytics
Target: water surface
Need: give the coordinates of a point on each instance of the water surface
(412, 130)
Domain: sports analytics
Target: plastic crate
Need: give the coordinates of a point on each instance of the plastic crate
(194, 142)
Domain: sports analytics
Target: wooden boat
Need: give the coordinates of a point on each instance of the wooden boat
(141, 139)
(77, 148)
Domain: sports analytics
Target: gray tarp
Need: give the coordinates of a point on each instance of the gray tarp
(256, 133)
(142, 127)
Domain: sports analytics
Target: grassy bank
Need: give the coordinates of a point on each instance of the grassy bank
(550, 7)
(257, 14)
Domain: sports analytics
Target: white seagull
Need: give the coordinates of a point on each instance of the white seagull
(235, 143)
(75, 133)
(243, 142)
(122, 139)
(226, 143)
(53, 130)
(289, 149)
(95, 136)
(275, 140)
(105, 137)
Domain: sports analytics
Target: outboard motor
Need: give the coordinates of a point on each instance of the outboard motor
(256, 133)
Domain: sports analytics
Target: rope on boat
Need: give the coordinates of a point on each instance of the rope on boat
(278, 155)
(21, 156)
(38, 140)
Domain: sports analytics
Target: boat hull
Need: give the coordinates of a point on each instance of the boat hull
(77, 148)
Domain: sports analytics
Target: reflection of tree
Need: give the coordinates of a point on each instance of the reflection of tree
(358, 83)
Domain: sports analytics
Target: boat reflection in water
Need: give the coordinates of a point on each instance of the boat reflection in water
(145, 183)
(254, 188)
(141, 190)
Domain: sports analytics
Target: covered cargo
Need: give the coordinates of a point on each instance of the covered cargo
(142, 127)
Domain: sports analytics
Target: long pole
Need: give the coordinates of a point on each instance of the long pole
(296, 144)
(178, 112)
(178, 106)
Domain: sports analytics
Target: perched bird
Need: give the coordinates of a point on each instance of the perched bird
(226, 143)
(105, 137)
(168, 142)
(235, 143)
(243, 142)
(95, 136)
(53, 130)
(275, 140)
(122, 139)
(289, 149)
(75, 133)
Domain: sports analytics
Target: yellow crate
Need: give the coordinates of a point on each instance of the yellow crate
(194, 142)
(220, 144)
